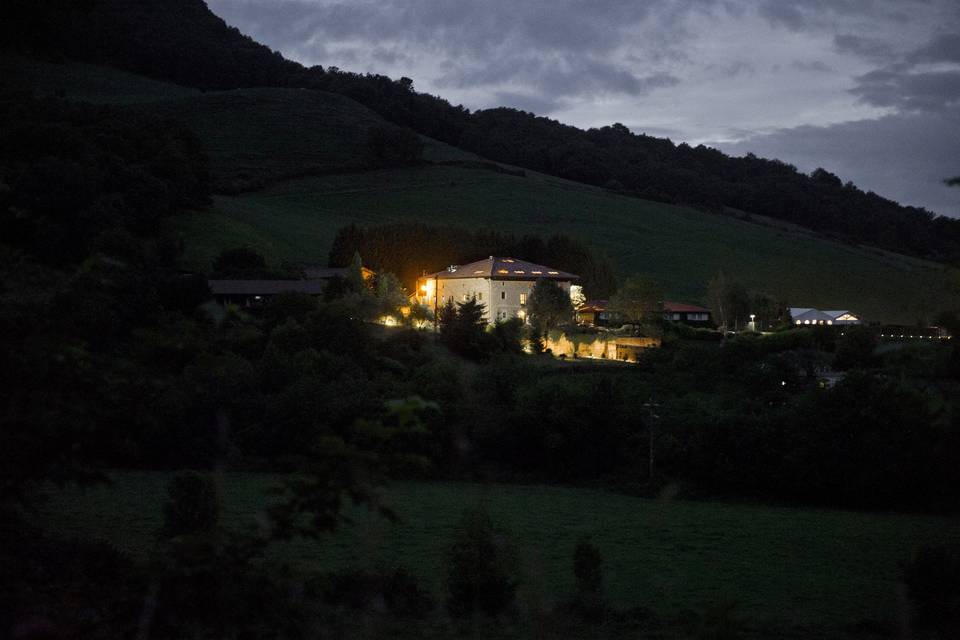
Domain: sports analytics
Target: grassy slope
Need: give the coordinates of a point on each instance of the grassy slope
(680, 247)
(788, 567)
(274, 132)
(86, 82)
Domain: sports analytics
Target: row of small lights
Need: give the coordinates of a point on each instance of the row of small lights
(893, 335)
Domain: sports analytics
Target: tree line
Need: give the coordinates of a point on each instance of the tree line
(409, 249)
(191, 46)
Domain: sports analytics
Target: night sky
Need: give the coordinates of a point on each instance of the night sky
(869, 90)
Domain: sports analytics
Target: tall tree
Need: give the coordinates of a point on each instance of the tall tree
(549, 305)
(728, 300)
(639, 301)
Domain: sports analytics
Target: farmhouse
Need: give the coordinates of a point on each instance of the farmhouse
(686, 313)
(807, 315)
(246, 293)
(502, 285)
(596, 313)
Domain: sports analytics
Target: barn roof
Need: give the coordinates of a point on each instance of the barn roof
(683, 307)
(265, 287)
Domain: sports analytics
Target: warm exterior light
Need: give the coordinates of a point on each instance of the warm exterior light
(502, 271)
(423, 288)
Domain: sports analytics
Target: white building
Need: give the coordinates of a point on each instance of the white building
(806, 315)
(502, 285)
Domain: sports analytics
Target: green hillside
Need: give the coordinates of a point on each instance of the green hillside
(258, 136)
(681, 248)
(87, 82)
(803, 571)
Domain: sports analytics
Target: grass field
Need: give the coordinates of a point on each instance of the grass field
(786, 568)
(681, 248)
(257, 135)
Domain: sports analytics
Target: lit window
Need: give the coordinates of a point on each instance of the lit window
(508, 259)
(518, 271)
(798, 322)
(523, 298)
(554, 273)
(537, 272)
(502, 271)
(829, 321)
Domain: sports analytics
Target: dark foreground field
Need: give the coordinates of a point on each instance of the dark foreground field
(797, 570)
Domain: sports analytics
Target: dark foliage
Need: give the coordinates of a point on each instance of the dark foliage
(588, 576)
(191, 46)
(932, 577)
(396, 592)
(481, 569)
(409, 249)
(192, 505)
(464, 331)
(389, 146)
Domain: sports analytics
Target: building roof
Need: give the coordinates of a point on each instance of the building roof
(264, 287)
(837, 313)
(592, 306)
(316, 272)
(671, 307)
(807, 313)
(682, 307)
(503, 269)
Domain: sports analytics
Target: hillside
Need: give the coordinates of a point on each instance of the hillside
(265, 134)
(188, 44)
(681, 248)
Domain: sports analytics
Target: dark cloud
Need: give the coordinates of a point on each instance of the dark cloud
(818, 66)
(903, 157)
(798, 15)
(943, 48)
(873, 48)
(733, 69)
(909, 90)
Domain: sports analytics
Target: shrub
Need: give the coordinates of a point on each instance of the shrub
(191, 506)
(932, 577)
(588, 574)
(481, 569)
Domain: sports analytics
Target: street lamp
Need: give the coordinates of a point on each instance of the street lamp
(753, 323)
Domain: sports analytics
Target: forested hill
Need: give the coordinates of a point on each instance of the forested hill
(182, 41)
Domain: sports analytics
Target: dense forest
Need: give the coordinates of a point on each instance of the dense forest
(191, 46)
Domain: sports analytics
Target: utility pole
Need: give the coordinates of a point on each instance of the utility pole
(652, 408)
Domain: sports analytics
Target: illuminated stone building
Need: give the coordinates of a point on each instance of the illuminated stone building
(501, 285)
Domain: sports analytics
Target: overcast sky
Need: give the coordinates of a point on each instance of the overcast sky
(868, 89)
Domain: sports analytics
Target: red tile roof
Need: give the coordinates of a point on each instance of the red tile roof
(682, 307)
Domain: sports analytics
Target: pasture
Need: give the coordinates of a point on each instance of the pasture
(679, 247)
(797, 570)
